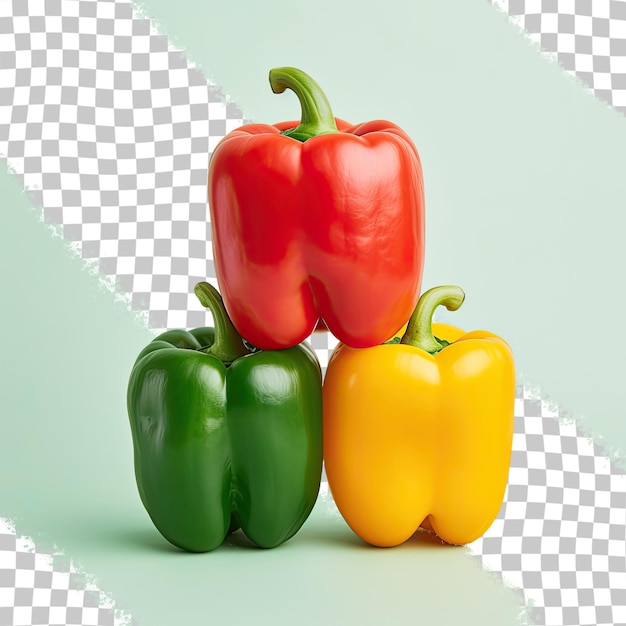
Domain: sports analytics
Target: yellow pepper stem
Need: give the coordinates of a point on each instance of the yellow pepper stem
(419, 331)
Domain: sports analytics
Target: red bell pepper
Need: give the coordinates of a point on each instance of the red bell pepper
(317, 219)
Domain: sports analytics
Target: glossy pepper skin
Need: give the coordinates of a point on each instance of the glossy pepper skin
(224, 438)
(324, 220)
(420, 435)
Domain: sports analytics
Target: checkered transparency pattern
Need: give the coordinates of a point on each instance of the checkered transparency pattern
(111, 129)
(39, 587)
(587, 38)
(560, 536)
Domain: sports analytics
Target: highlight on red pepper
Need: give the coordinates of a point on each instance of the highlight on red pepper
(419, 433)
(317, 219)
(225, 436)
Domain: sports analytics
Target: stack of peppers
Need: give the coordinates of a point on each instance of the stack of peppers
(320, 225)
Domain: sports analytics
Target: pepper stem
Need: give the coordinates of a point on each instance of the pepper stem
(317, 116)
(419, 331)
(228, 343)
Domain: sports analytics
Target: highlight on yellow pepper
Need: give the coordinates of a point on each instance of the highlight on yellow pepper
(419, 433)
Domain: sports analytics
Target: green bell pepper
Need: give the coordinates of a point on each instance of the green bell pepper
(225, 436)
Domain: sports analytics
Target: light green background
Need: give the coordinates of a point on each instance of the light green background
(524, 179)
(67, 478)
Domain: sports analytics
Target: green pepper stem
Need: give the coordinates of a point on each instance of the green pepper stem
(228, 343)
(419, 331)
(317, 116)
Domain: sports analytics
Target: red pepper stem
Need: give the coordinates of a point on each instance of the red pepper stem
(228, 344)
(317, 116)
(419, 331)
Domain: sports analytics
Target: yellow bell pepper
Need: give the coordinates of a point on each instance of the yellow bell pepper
(419, 433)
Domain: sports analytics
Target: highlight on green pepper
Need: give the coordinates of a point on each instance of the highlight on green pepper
(225, 436)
